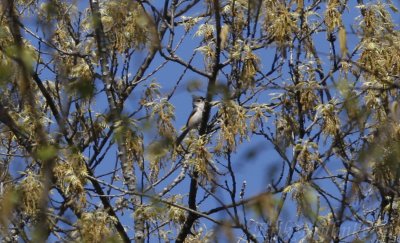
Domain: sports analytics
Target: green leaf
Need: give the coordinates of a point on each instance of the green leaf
(46, 152)
(342, 41)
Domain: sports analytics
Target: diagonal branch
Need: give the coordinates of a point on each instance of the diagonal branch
(42, 227)
(115, 109)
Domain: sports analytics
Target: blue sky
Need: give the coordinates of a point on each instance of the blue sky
(256, 171)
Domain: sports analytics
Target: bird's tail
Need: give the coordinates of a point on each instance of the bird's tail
(181, 137)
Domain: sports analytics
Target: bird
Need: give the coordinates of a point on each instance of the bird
(195, 117)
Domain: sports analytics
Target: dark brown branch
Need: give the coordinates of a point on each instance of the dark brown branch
(115, 109)
(191, 218)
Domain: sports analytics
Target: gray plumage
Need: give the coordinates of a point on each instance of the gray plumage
(194, 119)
